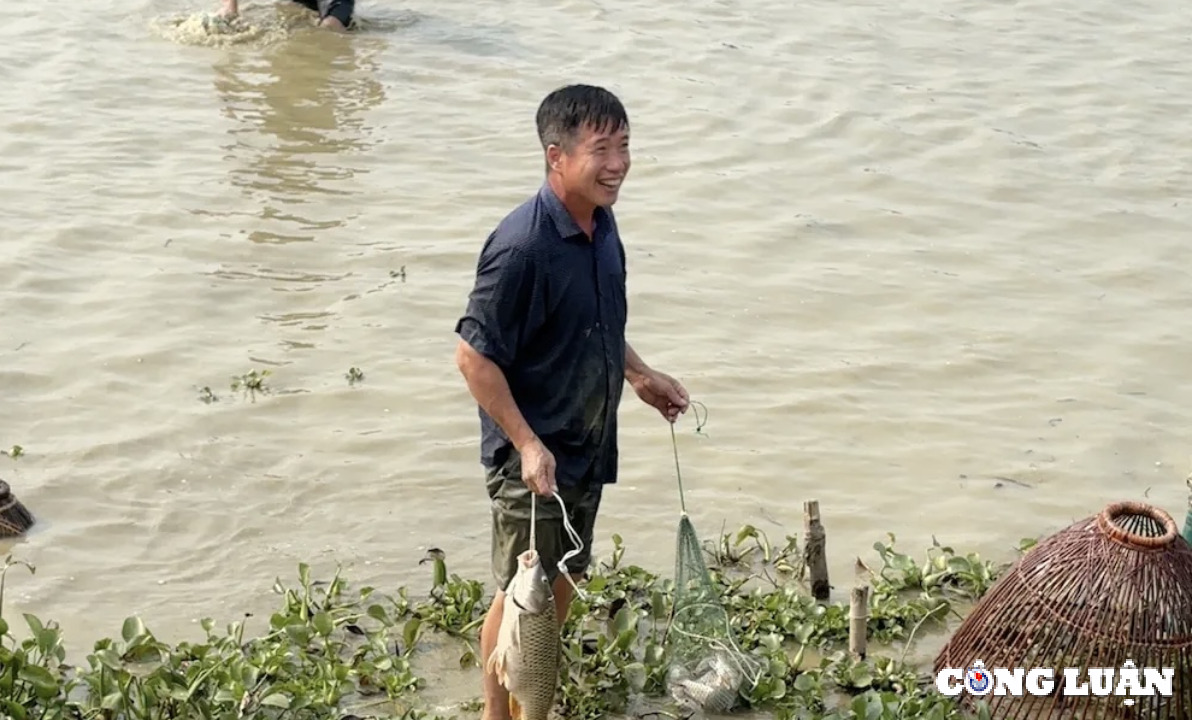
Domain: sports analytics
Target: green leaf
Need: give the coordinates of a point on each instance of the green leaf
(778, 689)
(959, 564)
(323, 623)
(411, 629)
(132, 628)
(654, 654)
(109, 659)
(276, 700)
(35, 625)
(772, 642)
(626, 620)
(376, 612)
(299, 634)
(860, 675)
(40, 678)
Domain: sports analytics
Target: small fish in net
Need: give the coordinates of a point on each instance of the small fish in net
(706, 669)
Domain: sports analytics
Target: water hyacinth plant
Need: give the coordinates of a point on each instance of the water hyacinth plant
(335, 652)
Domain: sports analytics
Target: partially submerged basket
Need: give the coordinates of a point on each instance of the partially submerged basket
(1114, 587)
(15, 518)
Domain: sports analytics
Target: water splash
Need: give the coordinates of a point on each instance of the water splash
(206, 29)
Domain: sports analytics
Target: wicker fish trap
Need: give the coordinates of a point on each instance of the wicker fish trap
(15, 518)
(1112, 588)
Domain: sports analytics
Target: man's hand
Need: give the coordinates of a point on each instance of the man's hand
(662, 392)
(538, 468)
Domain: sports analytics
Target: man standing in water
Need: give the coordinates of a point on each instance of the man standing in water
(543, 350)
(333, 14)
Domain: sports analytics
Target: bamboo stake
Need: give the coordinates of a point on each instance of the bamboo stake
(858, 621)
(814, 550)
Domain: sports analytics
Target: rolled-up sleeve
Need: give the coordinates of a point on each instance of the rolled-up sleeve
(498, 315)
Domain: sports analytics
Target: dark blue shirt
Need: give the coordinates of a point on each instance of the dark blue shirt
(548, 307)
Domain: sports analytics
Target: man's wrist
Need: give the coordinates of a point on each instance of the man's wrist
(636, 369)
(523, 439)
(636, 376)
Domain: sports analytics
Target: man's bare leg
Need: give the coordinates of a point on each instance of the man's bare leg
(495, 696)
(332, 23)
(562, 595)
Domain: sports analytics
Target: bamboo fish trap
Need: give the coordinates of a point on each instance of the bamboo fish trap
(1112, 588)
(15, 519)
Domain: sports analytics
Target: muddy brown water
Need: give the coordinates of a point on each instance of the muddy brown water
(926, 262)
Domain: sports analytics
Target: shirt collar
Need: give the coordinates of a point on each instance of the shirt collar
(564, 223)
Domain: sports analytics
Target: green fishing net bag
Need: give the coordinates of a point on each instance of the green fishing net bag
(706, 668)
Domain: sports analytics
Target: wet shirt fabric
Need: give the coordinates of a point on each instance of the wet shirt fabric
(549, 309)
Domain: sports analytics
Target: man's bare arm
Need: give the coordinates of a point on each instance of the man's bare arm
(635, 368)
(490, 389)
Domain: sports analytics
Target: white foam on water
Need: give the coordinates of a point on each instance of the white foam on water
(208, 29)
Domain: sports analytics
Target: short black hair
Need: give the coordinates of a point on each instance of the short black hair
(568, 109)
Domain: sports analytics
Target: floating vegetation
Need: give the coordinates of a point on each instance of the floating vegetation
(333, 651)
(14, 453)
(254, 383)
(251, 383)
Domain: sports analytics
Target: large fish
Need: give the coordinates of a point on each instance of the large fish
(529, 643)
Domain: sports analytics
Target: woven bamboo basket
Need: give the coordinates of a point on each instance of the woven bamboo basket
(1112, 588)
(15, 518)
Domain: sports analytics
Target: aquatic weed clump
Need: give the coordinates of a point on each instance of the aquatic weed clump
(334, 652)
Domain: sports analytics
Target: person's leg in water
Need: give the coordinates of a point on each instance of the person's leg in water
(510, 537)
(334, 14)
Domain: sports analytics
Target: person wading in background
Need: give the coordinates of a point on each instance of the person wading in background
(542, 349)
(333, 14)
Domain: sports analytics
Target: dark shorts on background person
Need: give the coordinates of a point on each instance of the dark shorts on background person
(510, 522)
(343, 10)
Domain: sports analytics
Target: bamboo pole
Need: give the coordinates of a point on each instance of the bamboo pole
(814, 550)
(858, 621)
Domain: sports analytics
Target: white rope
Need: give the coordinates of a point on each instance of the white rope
(574, 536)
(533, 522)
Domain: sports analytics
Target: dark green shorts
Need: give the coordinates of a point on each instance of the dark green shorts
(510, 522)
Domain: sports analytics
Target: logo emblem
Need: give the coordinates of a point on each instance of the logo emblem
(979, 680)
